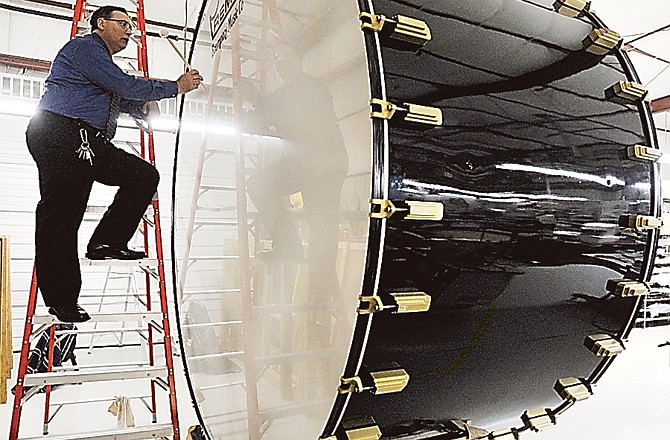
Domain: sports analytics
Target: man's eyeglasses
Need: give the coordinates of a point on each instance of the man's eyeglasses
(124, 23)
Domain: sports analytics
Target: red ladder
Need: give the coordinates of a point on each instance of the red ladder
(46, 380)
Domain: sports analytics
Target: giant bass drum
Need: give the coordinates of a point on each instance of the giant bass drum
(408, 219)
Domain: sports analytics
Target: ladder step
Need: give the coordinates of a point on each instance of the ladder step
(72, 377)
(106, 317)
(136, 433)
(142, 262)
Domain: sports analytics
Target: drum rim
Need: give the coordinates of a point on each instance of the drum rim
(376, 226)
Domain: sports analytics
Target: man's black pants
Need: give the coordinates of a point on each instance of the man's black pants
(65, 184)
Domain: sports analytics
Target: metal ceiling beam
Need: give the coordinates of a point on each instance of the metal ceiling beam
(660, 104)
(23, 62)
(68, 7)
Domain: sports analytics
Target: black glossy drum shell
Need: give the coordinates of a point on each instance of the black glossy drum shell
(530, 166)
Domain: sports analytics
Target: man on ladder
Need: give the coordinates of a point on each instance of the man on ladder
(70, 137)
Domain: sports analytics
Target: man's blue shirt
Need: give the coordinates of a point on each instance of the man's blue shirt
(83, 78)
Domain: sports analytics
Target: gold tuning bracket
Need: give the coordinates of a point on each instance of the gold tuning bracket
(407, 113)
(573, 389)
(370, 304)
(408, 209)
(382, 109)
(381, 208)
(626, 92)
(350, 385)
(643, 153)
(538, 419)
(572, 8)
(396, 302)
(377, 382)
(371, 22)
(603, 345)
(504, 434)
(627, 288)
(401, 28)
(640, 222)
(602, 41)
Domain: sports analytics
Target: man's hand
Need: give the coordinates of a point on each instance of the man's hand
(189, 81)
(151, 110)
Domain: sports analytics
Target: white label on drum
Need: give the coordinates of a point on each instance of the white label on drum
(222, 17)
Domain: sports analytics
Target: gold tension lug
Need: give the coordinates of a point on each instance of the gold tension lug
(640, 222)
(573, 389)
(408, 114)
(408, 209)
(627, 288)
(643, 153)
(602, 41)
(572, 8)
(377, 382)
(410, 31)
(626, 92)
(396, 302)
(603, 345)
(538, 419)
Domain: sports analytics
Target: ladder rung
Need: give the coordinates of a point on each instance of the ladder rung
(211, 324)
(142, 262)
(298, 356)
(210, 292)
(218, 187)
(107, 365)
(97, 209)
(215, 355)
(214, 150)
(215, 258)
(102, 330)
(221, 385)
(271, 309)
(71, 377)
(94, 400)
(215, 223)
(112, 294)
(106, 317)
(136, 433)
(217, 208)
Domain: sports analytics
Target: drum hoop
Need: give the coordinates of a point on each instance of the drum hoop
(655, 207)
(376, 226)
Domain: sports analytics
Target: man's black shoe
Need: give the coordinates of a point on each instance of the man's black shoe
(107, 252)
(69, 313)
